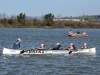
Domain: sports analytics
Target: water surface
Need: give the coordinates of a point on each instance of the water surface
(78, 64)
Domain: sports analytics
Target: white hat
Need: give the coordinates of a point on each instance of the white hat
(42, 44)
(19, 39)
(71, 43)
(58, 44)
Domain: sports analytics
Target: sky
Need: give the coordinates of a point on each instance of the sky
(56, 7)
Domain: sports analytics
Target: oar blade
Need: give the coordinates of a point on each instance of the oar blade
(70, 52)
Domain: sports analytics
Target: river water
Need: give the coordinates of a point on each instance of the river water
(65, 64)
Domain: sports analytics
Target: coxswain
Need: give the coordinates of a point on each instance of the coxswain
(17, 44)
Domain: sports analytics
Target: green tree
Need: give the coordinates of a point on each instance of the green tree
(21, 18)
(48, 19)
(4, 21)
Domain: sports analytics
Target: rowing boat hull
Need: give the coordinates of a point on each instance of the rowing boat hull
(11, 51)
(16, 51)
(77, 35)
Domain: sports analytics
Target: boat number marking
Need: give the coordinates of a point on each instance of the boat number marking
(36, 51)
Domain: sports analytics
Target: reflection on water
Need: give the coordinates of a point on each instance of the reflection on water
(48, 64)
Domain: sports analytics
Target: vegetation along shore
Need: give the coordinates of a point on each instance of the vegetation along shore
(49, 21)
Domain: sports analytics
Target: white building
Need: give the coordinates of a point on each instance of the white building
(66, 20)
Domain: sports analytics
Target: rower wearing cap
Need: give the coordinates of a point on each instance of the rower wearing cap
(84, 46)
(57, 47)
(17, 44)
(42, 47)
(71, 47)
(71, 32)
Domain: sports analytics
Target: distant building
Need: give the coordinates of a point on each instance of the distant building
(66, 20)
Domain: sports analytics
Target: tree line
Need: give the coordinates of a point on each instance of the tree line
(49, 21)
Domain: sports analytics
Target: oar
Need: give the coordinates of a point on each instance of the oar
(21, 52)
(70, 52)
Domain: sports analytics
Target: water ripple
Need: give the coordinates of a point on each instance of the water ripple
(74, 64)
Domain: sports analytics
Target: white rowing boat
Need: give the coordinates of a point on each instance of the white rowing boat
(19, 51)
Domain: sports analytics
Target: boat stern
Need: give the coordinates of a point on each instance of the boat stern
(11, 51)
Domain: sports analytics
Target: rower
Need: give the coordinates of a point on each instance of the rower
(84, 46)
(78, 32)
(42, 47)
(71, 47)
(57, 47)
(71, 32)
